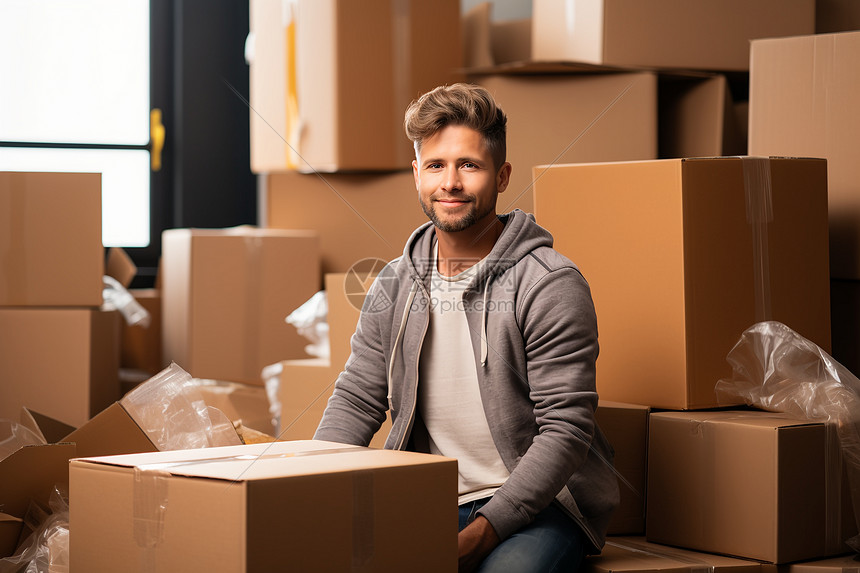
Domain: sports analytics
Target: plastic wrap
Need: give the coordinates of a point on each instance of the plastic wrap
(117, 297)
(311, 321)
(170, 410)
(14, 436)
(776, 369)
(46, 550)
(271, 375)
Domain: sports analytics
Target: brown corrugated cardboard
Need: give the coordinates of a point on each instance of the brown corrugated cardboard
(141, 345)
(751, 484)
(697, 117)
(120, 266)
(511, 41)
(555, 119)
(626, 428)
(803, 102)
(330, 79)
(51, 240)
(475, 29)
(264, 507)
(63, 362)
(357, 216)
(226, 294)
(10, 530)
(635, 555)
(706, 35)
(31, 473)
(679, 266)
(111, 432)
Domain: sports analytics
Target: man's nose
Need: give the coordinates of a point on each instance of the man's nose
(451, 180)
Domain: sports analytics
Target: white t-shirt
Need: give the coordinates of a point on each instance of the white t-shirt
(448, 396)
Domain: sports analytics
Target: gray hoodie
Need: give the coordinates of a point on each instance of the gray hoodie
(534, 336)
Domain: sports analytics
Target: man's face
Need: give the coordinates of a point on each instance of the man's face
(456, 179)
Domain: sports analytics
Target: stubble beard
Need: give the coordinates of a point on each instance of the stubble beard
(461, 224)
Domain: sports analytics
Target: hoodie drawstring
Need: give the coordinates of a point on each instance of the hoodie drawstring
(400, 332)
(484, 345)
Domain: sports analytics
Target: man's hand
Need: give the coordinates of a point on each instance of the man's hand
(475, 542)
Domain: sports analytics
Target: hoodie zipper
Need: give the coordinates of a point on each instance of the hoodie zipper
(411, 420)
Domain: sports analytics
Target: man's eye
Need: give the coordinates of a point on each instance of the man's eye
(434, 166)
(470, 165)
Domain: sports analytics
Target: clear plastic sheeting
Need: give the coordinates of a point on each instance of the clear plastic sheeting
(170, 409)
(271, 375)
(311, 321)
(14, 436)
(116, 297)
(776, 369)
(46, 550)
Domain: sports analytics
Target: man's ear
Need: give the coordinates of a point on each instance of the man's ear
(415, 173)
(503, 177)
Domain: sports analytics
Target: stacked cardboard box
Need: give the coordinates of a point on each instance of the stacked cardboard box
(330, 80)
(226, 294)
(59, 353)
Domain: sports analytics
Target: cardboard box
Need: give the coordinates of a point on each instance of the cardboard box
(51, 240)
(330, 80)
(141, 345)
(750, 484)
(63, 362)
(226, 294)
(626, 428)
(264, 507)
(635, 555)
(545, 128)
(357, 216)
(112, 432)
(803, 102)
(10, 531)
(697, 117)
(684, 255)
(705, 35)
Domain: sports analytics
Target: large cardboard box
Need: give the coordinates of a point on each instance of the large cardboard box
(357, 216)
(306, 506)
(331, 79)
(572, 118)
(745, 483)
(626, 428)
(843, 564)
(803, 102)
(226, 294)
(704, 35)
(51, 240)
(63, 362)
(684, 255)
(635, 555)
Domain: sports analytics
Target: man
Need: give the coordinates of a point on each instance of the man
(482, 341)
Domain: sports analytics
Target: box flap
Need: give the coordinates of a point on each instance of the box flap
(51, 429)
(31, 473)
(111, 432)
(10, 530)
(120, 266)
(266, 461)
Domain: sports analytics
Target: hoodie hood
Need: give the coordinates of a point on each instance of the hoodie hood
(521, 236)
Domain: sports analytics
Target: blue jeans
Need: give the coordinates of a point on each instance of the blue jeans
(553, 542)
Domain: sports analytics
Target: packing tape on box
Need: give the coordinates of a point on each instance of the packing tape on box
(294, 127)
(759, 204)
(149, 507)
(652, 550)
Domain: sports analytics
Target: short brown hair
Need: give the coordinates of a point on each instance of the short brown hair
(458, 104)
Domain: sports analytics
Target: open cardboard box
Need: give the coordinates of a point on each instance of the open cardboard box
(264, 507)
